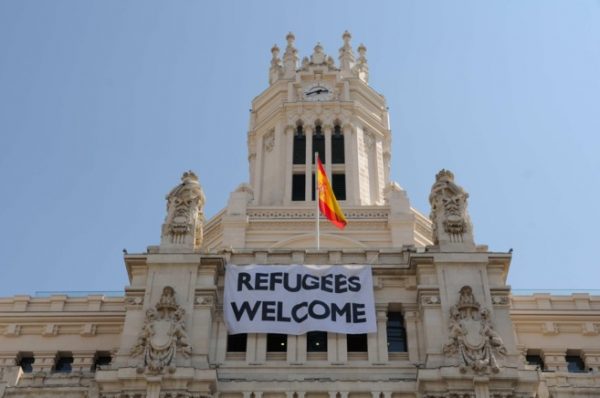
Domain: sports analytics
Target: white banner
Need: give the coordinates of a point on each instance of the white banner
(295, 299)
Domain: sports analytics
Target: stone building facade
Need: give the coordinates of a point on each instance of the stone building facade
(447, 324)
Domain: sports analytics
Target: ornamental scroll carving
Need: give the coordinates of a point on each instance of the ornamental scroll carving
(162, 335)
(450, 221)
(185, 214)
(472, 336)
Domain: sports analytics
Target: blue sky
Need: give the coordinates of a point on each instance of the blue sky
(103, 104)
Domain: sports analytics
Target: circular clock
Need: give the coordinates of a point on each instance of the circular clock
(318, 92)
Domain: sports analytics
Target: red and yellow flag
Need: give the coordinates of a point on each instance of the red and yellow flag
(327, 202)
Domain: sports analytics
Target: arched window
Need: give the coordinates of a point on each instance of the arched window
(319, 143)
(337, 145)
(299, 146)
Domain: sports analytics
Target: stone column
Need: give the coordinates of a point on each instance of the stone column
(251, 348)
(328, 151)
(261, 348)
(292, 349)
(259, 169)
(382, 346)
(350, 162)
(221, 344)
(308, 133)
(289, 164)
(411, 317)
(301, 348)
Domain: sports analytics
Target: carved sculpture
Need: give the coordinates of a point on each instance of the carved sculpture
(162, 335)
(472, 336)
(185, 214)
(449, 217)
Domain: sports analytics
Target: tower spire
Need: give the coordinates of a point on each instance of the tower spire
(361, 69)
(276, 69)
(290, 58)
(346, 55)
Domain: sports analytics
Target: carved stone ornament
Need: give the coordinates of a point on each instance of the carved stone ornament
(269, 141)
(162, 335)
(185, 214)
(472, 336)
(449, 217)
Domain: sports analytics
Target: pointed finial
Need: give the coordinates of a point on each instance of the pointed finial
(290, 39)
(346, 55)
(276, 69)
(362, 50)
(318, 57)
(361, 69)
(290, 57)
(275, 50)
(346, 37)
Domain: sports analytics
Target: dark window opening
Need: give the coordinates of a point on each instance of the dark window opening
(299, 153)
(298, 187)
(64, 363)
(575, 364)
(316, 342)
(356, 342)
(237, 342)
(337, 145)
(276, 342)
(535, 360)
(318, 144)
(396, 332)
(313, 188)
(102, 359)
(26, 362)
(338, 184)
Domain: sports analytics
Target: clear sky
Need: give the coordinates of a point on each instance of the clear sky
(103, 104)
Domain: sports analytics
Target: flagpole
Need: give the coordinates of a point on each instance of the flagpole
(317, 199)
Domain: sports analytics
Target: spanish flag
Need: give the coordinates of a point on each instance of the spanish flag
(327, 202)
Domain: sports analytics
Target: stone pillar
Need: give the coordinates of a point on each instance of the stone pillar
(328, 151)
(351, 166)
(261, 348)
(308, 132)
(259, 170)
(381, 345)
(481, 387)
(251, 348)
(411, 316)
(289, 163)
(221, 343)
(301, 348)
(292, 349)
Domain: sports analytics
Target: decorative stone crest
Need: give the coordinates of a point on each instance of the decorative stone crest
(369, 139)
(451, 222)
(162, 336)
(185, 215)
(472, 336)
(269, 141)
